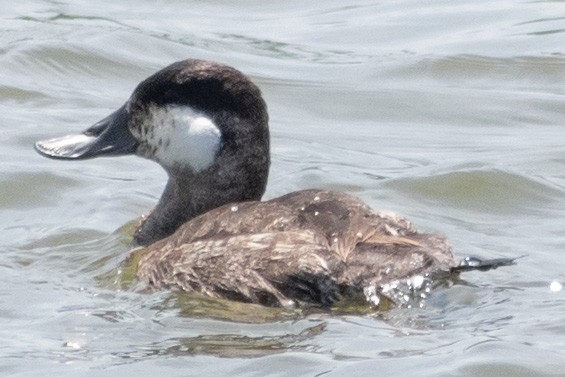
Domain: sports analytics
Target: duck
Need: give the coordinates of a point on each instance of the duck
(206, 124)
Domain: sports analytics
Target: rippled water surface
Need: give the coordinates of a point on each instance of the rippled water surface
(450, 112)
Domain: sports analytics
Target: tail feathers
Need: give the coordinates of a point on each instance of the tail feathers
(477, 264)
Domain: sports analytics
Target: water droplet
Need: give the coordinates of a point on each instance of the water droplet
(470, 262)
(335, 239)
(359, 235)
(316, 213)
(234, 208)
(71, 344)
(555, 286)
(417, 281)
(371, 295)
(316, 198)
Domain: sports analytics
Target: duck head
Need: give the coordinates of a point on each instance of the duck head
(205, 123)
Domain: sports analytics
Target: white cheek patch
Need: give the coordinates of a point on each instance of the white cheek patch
(181, 136)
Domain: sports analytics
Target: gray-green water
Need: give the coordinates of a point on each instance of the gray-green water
(450, 112)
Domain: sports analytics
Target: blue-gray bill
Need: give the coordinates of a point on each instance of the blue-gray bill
(108, 137)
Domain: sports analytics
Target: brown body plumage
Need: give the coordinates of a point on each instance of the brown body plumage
(306, 247)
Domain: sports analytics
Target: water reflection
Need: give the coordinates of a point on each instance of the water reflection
(231, 345)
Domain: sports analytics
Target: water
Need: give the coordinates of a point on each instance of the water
(451, 113)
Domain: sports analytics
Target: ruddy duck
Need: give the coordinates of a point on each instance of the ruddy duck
(206, 124)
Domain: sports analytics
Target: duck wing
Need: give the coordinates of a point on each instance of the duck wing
(310, 246)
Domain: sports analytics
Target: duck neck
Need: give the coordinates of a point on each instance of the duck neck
(163, 220)
(178, 204)
(183, 199)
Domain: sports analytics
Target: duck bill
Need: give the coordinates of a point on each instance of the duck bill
(108, 137)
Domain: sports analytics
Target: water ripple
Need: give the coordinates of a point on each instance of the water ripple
(490, 191)
(549, 69)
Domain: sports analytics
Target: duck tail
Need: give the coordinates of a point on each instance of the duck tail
(477, 264)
